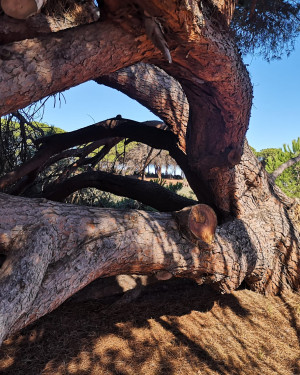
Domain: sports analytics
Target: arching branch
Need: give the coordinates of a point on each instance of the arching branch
(148, 193)
(147, 132)
(157, 91)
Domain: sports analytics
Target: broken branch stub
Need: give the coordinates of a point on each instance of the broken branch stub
(22, 9)
(197, 223)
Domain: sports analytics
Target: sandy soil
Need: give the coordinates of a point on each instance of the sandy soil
(171, 328)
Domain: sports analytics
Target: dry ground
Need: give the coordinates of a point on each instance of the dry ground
(184, 329)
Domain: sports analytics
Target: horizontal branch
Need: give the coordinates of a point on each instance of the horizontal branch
(145, 132)
(148, 132)
(34, 68)
(149, 193)
(73, 245)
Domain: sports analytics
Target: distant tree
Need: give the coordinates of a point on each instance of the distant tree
(18, 136)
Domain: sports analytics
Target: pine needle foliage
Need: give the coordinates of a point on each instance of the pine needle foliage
(267, 27)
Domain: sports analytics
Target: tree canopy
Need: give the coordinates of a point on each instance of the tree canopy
(267, 27)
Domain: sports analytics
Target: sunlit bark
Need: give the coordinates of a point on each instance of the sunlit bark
(204, 96)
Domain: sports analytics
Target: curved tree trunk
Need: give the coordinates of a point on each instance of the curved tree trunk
(52, 250)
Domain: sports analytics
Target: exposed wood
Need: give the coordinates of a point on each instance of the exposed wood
(52, 250)
(22, 9)
(71, 246)
(203, 52)
(197, 223)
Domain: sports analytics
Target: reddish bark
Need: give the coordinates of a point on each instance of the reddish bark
(203, 55)
(257, 239)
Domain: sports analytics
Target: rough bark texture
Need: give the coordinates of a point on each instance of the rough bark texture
(203, 53)
(52, 250)
(156, 90)
(33, 68)
(272, 222)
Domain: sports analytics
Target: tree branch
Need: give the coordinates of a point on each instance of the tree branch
(69, 50)
(148, 193)
(76, 245)
(284, 166)
(157, 91)
(141, 132)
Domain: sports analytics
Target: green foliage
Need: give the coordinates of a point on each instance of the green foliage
(172, 187)
(119, 151)
(295, 150)
(159, 181)
(17, 141)
(98, 198)
(175, 187)
(266, 27)
(272, 158)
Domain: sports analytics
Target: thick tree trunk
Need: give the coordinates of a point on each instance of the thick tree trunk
(53, 250)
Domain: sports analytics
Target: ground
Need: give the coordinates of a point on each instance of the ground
(188, 329)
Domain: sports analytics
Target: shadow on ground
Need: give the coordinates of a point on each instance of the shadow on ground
(172, 328)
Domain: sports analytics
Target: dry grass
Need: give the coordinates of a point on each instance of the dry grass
(186, 330)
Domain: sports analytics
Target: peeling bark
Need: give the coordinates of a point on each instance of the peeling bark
(204, 96)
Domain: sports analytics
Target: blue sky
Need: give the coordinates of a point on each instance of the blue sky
(275, 117)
